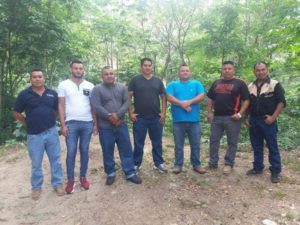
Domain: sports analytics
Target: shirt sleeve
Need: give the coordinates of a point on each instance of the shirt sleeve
(211, 91)
(20, 103)
(60, 90)
(244, 91)
(200, 88)
(92, 88)
(279, 94)
(97, 104)
(162, 89)
(125, 103)
(170, 89)
(131, 86)
(55, 101)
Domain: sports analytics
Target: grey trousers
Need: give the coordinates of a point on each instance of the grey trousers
(232, 129)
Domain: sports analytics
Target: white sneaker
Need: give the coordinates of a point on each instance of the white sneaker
(161, 168)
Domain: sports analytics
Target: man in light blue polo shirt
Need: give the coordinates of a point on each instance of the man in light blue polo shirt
(185, 96)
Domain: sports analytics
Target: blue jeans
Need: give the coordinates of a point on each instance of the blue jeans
(140, 128)
(260, 131)
(193, 131)
(232, 129)
(120, 136)
(82, 131)
(37, 144)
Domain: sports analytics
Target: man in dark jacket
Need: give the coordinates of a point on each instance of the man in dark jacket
(266, 102)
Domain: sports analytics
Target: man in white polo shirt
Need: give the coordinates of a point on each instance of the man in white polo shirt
(76, 119)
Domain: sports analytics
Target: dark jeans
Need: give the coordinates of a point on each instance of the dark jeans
(260, 131)
(193, 131)
(140, 128)
(79, 131)
(232, 130)
(120, 136)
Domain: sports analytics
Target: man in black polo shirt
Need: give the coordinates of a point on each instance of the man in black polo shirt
(266, 103)
(147, 90)
(228, 98)
(40, 106)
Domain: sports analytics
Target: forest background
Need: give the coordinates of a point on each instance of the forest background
(48, 34)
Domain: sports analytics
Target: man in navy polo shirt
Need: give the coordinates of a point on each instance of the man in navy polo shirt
(40, 106)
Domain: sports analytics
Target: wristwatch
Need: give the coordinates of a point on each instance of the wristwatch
(240, 116)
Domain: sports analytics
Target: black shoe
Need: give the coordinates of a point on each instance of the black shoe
(275, 178)
(135, 179)
(211, 167)
(110, 180)
(254, 172)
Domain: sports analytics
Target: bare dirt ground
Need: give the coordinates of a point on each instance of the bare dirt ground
(167, 199)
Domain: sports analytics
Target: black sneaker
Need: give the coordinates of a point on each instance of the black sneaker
(135, 179)
(254, 172)
(110, 180)
(275, 178)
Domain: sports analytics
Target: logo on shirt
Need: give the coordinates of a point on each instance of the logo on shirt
(50, 95)
(86, 92)
(224, 88)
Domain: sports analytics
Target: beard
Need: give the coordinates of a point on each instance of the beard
(77, 75)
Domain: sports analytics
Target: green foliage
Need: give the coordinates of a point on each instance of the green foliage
(50, 33)
(20, 131)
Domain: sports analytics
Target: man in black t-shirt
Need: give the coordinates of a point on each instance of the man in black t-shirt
(228, 98)
(266, 103)
(40, 106)
(147, 91)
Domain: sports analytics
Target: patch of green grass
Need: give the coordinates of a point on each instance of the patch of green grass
(292, 163)
(200, 181)
(279, 194)
(169, 146)
(289, 180)
(260, 187)
(168, 155)
(238, 179)
(3, 152)
(93, 170)
(10, 147)
(290, 216)
(244, 147)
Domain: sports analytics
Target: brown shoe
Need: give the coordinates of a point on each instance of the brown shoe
(200, 170)
(59, 190)
(177, 170)
(227, 169)
(36, 194)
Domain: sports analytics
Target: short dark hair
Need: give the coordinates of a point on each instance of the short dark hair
(182, 65)
(146, 59)
(259, 62)
(228, 62)
(75, 62)
(36, 70)
(105, 68)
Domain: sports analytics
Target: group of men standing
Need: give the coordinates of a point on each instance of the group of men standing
(84, 109)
